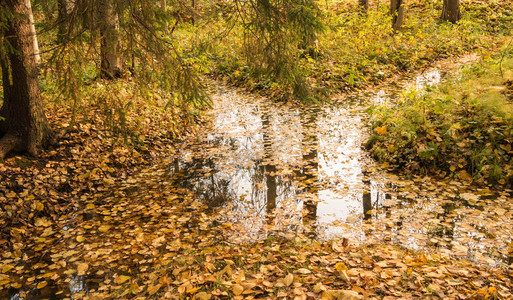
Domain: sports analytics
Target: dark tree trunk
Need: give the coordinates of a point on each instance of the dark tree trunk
(111, 65)
(397, 12)
(65, 8)
(24, 126)
(451, 11)
(364, 5)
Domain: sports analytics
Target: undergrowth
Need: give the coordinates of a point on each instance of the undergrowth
(462, 128)
(355, 50)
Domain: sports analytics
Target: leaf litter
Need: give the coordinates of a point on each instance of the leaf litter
(272, 214)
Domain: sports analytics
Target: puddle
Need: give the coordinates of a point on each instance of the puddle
(269, 167)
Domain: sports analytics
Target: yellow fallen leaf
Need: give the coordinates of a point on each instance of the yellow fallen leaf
(202, 296)
(381, 130)
(39, 206)
(237, 289)
(121, 279)
(304, 271)
(41, 285)
(82, 268)
(340, 266)
(104, 228)
(7, 268)
(288, 279)
(80, 238)
(90, 206)
(154, 289)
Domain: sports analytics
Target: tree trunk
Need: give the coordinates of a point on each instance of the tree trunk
(364, 5)
(111, 65)
(397, 12)
(164, 9)
(33, 33)
(23, 126)
(451, 11)
(65, 7)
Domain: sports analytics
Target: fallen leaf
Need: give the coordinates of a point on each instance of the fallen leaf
(41, 285)
(288, 279)
(154, 289)
(121, 279)
(82, 268)
(237, 289)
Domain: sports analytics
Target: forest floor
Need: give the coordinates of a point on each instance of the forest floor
(93, 218)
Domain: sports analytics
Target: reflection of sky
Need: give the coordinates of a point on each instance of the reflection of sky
(237, 150)
(239, 142)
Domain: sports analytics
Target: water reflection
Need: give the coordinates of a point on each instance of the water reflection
(277, 168)
(273, 167)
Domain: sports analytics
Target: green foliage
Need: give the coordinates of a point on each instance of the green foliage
(351, 50)
(464, 127)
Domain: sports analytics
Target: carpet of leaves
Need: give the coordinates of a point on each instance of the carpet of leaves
(90, 219)
(150, 240)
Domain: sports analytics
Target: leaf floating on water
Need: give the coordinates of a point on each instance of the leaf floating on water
(104, 228)
(82, 268)
(41, 285)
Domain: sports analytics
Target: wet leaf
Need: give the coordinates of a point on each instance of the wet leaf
(41, 284)
(82, 268)
(104, 228)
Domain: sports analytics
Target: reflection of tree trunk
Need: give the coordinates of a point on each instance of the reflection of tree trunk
(367, 204)
(451, 11)
(269, 168)
(397, 12)
(310, 142)
(110, 40)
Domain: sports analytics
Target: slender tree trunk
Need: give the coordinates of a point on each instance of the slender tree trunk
(364, 5)
(24, 126)
(111, 65)
(33, 33)
(451, 11)
(397, 12)
(164, 8)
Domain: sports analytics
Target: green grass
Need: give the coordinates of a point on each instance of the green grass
(355, 50)
(462, 128)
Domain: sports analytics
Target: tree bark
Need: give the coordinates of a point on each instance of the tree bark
(111, 65)
(33, 33)
(397, 12)
(24, 126)
(451, 11)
